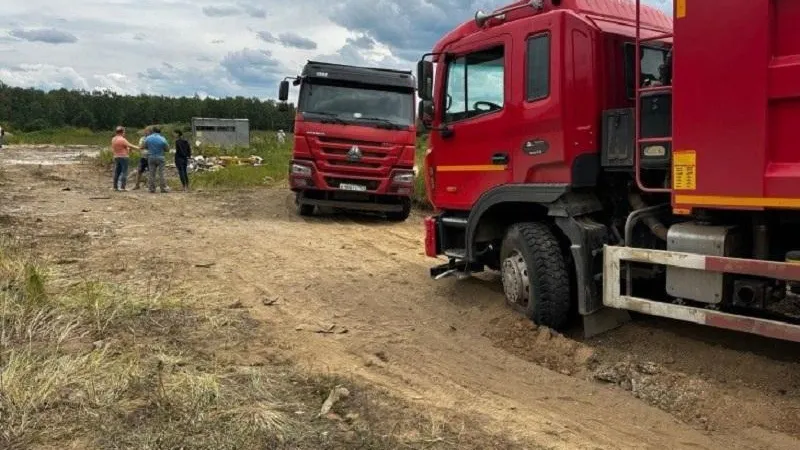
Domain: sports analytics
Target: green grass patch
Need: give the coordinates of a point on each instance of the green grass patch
(420, 194)
(82, 136)
(236, 177)
(62, 136)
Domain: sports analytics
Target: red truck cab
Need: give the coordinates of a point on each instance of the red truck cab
(354, 139)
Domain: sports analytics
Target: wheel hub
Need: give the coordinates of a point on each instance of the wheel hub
(516, 283)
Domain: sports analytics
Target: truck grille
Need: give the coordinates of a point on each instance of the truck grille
(343, 152)
(353, 164)
(333, 140)
(376, 157)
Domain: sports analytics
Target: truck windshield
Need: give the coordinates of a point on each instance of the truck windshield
(363, 105)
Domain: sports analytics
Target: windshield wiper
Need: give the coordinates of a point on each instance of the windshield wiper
(385, 122)
(330, 117)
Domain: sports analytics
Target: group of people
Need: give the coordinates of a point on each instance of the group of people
(154, 147)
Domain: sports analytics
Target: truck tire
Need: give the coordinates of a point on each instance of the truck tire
(535, 277)
(400, 216)
(303, 209)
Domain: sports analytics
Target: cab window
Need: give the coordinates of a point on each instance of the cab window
(475, 85)
(537, 76)
(652, 59)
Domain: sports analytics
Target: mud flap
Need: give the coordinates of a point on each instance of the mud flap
(587, 239)
(604, 319)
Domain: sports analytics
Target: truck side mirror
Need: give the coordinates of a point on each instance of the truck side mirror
(283, 92)
(425, 80)
(425, 113)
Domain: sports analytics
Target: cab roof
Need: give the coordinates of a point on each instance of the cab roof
(364, 75)
(610, 16)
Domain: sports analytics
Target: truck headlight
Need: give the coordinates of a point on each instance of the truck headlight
(301, 170)
(404, 178)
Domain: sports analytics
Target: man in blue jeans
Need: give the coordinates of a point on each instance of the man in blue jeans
(157, 147)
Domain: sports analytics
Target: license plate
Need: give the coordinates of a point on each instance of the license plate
(352, 187)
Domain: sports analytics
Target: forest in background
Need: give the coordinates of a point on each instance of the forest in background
(29, 109)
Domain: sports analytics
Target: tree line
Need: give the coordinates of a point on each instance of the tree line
(28, 109)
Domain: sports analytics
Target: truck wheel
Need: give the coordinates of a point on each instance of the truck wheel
(303, 209)
(535, 278)
(400, 216)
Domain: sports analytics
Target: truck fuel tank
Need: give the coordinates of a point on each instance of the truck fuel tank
(697, 285)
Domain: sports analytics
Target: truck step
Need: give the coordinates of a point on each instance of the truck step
(455, 222)
(456, 253)
(455, 268)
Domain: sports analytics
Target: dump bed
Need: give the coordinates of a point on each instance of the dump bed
(737, 104)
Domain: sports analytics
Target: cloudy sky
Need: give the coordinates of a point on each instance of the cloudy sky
(217, 48)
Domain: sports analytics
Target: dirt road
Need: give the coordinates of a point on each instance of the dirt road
(351, 295)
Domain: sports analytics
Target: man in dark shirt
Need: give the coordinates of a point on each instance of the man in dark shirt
(183, 151)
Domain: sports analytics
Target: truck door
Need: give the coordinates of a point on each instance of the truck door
(473, 150)
(538, 131)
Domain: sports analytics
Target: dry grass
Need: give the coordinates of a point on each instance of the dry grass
(91, 365)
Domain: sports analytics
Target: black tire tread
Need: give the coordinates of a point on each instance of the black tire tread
(398, 216)
(305, 210)
(549, 276)
(402, 215)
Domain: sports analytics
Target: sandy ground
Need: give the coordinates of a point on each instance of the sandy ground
(351, 295)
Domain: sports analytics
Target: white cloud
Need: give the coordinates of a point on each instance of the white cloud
(116, 82)
(44, 76)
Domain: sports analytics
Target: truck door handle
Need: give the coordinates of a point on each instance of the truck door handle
(500, 159)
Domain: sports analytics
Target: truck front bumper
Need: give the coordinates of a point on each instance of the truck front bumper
(372, 203)
(304, 175)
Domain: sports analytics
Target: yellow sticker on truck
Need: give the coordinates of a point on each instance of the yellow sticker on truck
(680, 9)
(684, 170)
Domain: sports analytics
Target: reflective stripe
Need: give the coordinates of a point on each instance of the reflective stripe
(752, 202)
(472, 168)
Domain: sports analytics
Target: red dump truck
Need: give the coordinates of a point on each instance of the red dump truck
(605, 157)
(354, 139)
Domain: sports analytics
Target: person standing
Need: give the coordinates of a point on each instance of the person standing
(183, 151)
(157, 148)
(121, 148)
(143, 167)
(2, 136)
